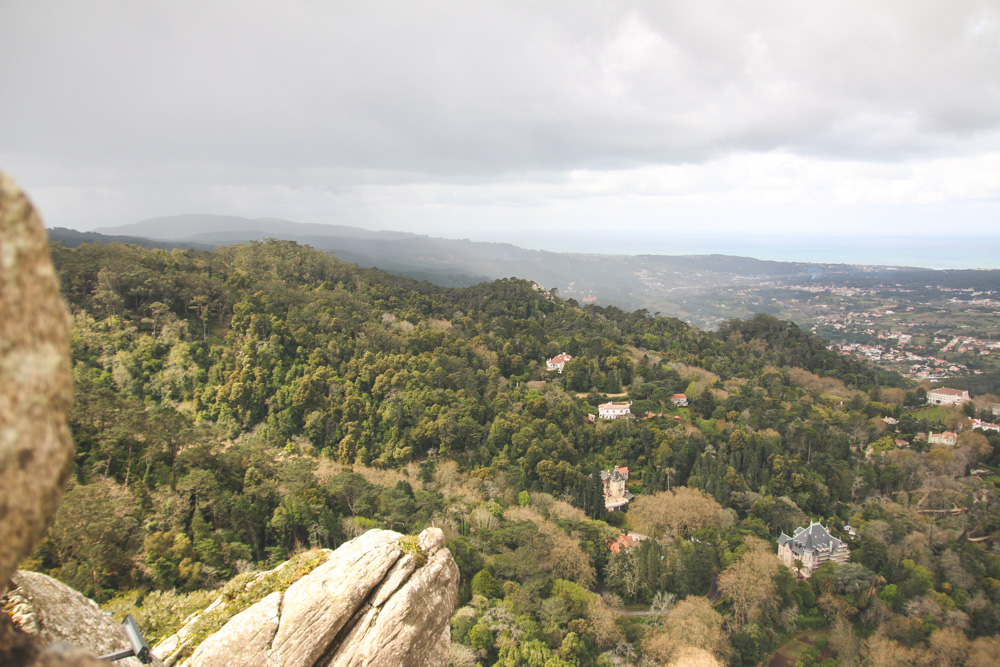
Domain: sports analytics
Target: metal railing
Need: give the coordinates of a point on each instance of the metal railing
(139, 647)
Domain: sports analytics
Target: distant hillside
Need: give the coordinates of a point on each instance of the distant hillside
(72, 238)
(657, 282)
(703, 290)
(224, 229)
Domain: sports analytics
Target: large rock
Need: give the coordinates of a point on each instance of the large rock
(381, 599)
(59, 615)
(172, 648)
(36, 391)
(18, 649)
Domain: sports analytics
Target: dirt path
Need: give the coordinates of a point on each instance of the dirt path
(649, 612)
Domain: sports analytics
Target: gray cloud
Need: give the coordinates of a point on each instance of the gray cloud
(139, 96)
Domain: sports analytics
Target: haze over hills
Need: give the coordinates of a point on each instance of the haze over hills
(664, 283)
(201, 225)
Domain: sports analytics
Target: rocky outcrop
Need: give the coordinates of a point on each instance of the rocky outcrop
(381, 599)
(35, 395)
(55, 613)
(20, 650)
(173, 648)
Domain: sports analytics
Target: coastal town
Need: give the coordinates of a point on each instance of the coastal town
(925, 332)
(935, 334)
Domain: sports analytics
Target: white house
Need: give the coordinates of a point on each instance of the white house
(680, 400)
(945, 396)
(813, 546)
(946, 438)
(614, 410)
(558, 362)
(986, 426)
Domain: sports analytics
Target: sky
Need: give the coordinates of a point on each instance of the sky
(582, 126)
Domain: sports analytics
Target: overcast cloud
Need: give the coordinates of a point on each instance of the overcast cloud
(509, 120)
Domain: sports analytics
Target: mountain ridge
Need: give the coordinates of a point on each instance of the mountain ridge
(679, 285)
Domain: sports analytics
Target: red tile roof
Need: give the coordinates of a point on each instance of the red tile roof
(948, 392)
(623, 542)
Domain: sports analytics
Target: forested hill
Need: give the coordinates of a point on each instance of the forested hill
(376, 366)
(237, 405)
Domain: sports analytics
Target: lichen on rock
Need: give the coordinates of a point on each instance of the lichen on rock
(239, 595)
(370, 603)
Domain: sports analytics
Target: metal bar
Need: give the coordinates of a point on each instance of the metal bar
(120, 655)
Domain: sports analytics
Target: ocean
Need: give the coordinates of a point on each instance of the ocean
(925, 252)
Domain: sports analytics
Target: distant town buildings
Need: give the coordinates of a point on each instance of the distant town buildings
(945, 396)
(558, 362)
(614, 410)
(812, 547)
(906, 362)
(615, 494)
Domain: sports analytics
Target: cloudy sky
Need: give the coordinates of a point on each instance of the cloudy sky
(574, 125)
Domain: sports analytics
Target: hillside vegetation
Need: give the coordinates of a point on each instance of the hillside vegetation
(239, 406)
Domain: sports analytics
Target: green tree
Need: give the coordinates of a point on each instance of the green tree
(485, 584)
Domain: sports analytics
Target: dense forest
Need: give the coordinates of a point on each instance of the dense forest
(236, 407)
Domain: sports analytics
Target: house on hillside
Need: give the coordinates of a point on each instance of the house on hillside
(558, 362)
(986, 426)
(680, 400)
(614, 410)
(625, 542)
(812, 546)
(946, 438)
(945, 396)
(615, 494)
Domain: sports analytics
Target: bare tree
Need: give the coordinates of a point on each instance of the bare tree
(749, 584)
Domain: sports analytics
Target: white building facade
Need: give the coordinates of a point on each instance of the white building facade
(945, 396)
(558, 362)
(614, 410)
(813, 546)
